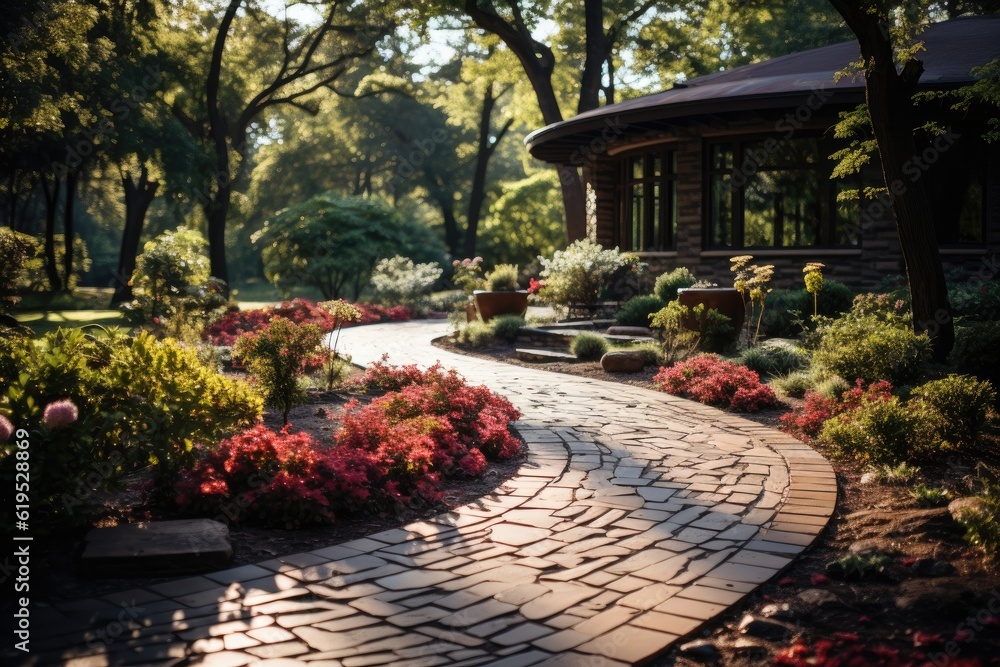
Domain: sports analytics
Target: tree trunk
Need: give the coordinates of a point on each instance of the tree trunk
(138, 196)
(889, 93)
(484, 151)
(597, 47)
(217, 207)
(69, 231)
(51, 194)
(538, 63)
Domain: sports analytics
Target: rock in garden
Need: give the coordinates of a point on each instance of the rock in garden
(867, 547)
(763, 629)
(700, 649)
(782, 612)
(960, 505)
(635, 332)
(622, 361)
(928, 567)
(819, 598)
(947, 597)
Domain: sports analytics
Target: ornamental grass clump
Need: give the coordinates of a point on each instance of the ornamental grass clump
(397, 281)
(589, 346)
(712, 381)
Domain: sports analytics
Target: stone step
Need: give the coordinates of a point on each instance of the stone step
(154, 548)
(540, 356)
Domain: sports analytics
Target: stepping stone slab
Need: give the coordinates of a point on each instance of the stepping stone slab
(539, 356)
(152, 548)
(633, 332)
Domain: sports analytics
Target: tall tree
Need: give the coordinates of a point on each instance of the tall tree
(891, 72)
(516, 24)
(311, 58)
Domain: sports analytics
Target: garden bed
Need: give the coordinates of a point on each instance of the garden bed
(319, 417)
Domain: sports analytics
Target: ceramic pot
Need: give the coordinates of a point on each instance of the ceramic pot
(494, 304)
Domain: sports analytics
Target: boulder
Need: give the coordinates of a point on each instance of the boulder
(622, 361)
(763, 629)
(960, 505)
(819, 598)
(700, 649)
(946, 597)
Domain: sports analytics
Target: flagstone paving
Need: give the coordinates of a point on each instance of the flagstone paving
(636, 518)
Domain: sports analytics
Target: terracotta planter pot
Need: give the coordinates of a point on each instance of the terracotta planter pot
(494, 304)
(726, 300)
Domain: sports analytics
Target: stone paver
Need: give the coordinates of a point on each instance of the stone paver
(635, 518)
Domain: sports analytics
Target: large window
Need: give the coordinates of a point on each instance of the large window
(647, 202)
(777, 193)
(956, 186)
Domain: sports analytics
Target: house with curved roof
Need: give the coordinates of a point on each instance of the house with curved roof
(738, 162)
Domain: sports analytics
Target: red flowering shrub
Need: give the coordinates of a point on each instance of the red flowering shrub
(712, 381)
(806, 421)
(392, 451)
(847, 650)
(226, 329)
(279, 479)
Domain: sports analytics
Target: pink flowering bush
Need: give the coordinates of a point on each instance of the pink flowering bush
(394, 451)
(228, 328)
(6, 428)
(712, 381)
(60, 413)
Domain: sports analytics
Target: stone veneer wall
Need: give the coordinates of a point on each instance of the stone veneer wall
(878, 257)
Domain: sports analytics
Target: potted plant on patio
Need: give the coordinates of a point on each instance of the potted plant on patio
(726, 300)
(502, 295)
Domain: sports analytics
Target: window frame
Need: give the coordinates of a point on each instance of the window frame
(828, 195)
(666, 229)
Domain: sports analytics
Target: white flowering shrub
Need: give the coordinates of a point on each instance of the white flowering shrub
(580, 273)
(398, 281)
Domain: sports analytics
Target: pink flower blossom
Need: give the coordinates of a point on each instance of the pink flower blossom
(60, 413)
(6, 428)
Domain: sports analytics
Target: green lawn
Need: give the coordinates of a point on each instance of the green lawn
(45, 321)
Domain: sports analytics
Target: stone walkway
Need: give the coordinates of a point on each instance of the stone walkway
(636, 518)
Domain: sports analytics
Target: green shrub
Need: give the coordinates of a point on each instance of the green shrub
(786, 313)
(667, 285)
(475, 334)
(977, 350)
(902, 473)
(581, 273)
(507, 327)
(963, 404)
(16, 249)
(974, 299)
(833, 387)
(652, 353)
(796, 384)
(397, 281)
(927, 496)
(172, 286)
(859, 566)
(277, 356)
(636, 311)
(774, 359)
(140, 401)
(679, 342)
(867, 348)
(503, 278)
(982, 526)
(589, 346)
(882, 432)
(448, 301)
(35, 276)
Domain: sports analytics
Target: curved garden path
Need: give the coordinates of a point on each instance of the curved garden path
(636, 518)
